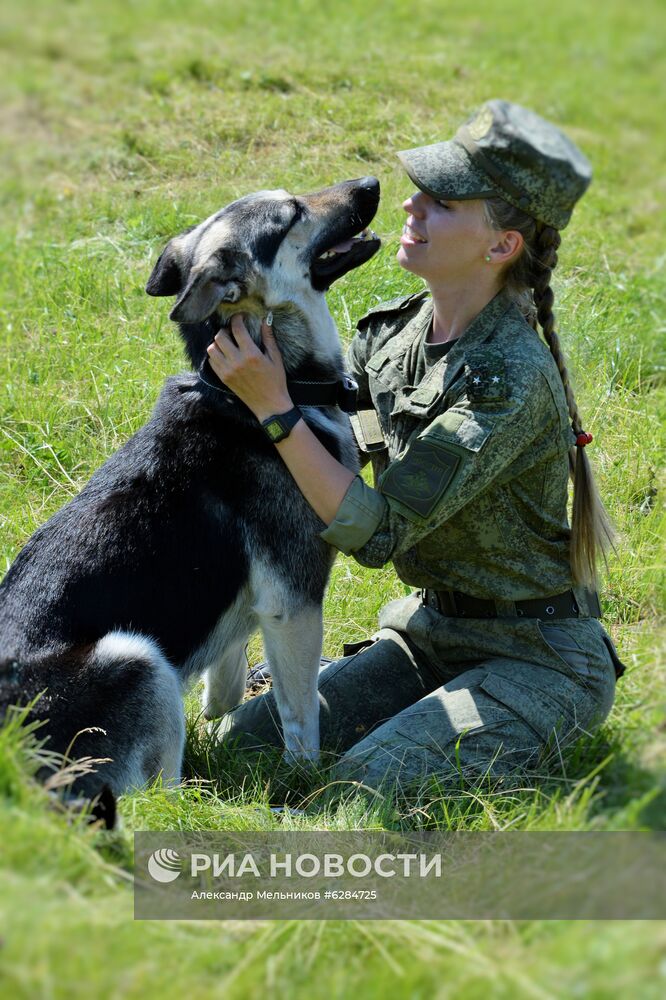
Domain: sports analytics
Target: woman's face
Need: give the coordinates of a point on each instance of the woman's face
(444, 241)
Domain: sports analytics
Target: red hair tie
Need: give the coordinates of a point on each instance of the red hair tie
(583, 438)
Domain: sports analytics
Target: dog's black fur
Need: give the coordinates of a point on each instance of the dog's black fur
(193, 534)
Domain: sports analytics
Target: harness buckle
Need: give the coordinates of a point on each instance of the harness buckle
(347, 395)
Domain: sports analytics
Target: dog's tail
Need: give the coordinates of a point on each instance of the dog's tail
(21, 691)
(102, 808)
(111, 711)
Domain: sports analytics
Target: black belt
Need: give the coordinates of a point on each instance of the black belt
(456, 605)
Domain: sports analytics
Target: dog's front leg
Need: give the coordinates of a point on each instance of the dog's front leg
(293, 642)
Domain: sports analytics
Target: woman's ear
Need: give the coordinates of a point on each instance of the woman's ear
(507, 248)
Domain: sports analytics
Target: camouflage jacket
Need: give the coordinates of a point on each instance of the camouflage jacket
(471, 491)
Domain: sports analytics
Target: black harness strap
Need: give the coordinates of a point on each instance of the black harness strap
(304, 392)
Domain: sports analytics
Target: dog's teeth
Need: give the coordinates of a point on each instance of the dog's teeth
(362, 237)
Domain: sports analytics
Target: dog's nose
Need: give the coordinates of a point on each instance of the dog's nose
(369, 184)
(367, 192)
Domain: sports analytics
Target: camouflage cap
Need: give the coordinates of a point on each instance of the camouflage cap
(507, 151)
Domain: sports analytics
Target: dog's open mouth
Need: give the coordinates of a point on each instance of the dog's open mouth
(345, 255)
(344, 247)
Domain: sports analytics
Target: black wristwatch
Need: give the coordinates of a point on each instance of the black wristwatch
(279, 426)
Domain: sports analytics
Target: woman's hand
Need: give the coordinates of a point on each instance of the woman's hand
(259, 380)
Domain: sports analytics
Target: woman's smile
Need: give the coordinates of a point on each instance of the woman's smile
(410, 236)
(445, 241)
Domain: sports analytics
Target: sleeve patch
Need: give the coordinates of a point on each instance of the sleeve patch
(420, 478)
(485, 376)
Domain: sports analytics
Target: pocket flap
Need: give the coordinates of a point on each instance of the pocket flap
(541, 712)
(378, 361)
(465, 430)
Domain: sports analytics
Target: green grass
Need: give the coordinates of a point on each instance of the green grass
(120, 125)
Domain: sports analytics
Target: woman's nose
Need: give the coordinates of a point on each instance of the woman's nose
(414, 204)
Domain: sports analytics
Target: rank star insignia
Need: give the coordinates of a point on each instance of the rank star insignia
(485, 374)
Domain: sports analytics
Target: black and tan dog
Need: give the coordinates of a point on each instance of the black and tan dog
(193, 535)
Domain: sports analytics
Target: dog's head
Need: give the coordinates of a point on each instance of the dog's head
(270, 250)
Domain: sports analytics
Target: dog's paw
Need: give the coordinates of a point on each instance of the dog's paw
(215, 708)
(297, 755)
(210, 712)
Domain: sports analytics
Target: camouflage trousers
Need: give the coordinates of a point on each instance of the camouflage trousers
(452, 697)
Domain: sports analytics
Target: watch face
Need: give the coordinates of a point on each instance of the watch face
(279, 425)
(274, 430)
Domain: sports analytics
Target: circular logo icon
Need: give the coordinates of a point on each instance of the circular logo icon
(165, 865)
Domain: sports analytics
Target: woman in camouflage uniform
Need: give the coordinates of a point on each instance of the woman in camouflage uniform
(473, 430)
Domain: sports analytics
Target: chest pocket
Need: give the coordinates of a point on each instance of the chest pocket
(393, 398)
(419, 480)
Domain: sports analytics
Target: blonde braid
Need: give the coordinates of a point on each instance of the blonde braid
(591, 530)
(544, 262)
(592, 533)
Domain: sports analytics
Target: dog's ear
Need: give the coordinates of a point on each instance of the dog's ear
(223, 278)
(167, 277)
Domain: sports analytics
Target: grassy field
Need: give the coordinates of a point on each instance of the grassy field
(120, 125)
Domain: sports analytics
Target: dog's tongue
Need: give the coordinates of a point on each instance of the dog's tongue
(342, 247)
